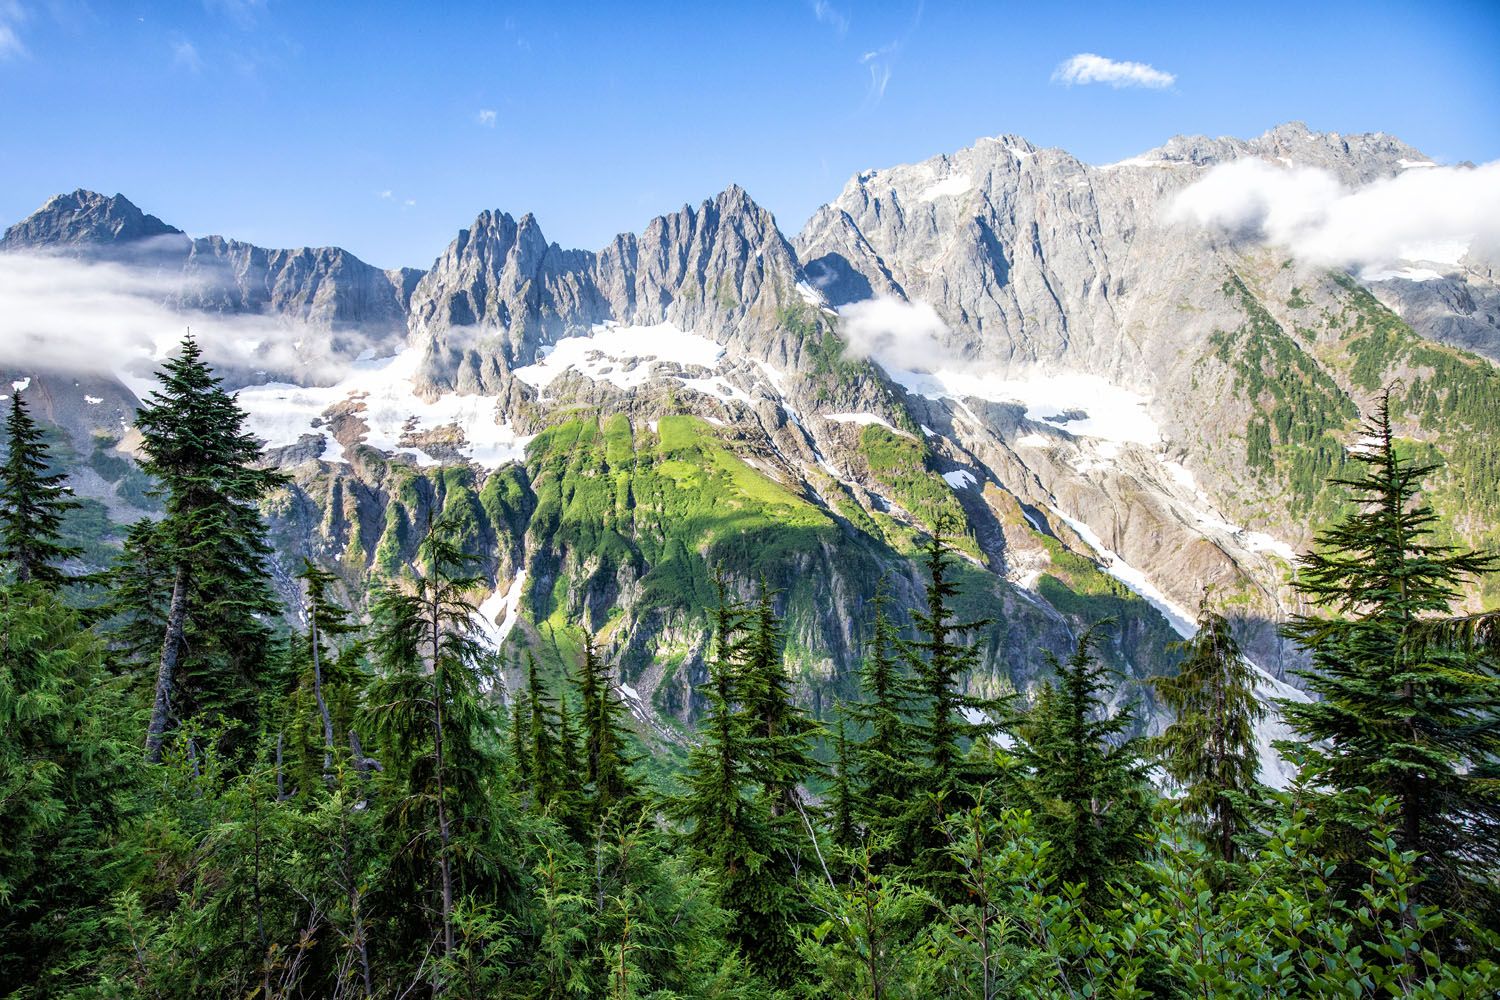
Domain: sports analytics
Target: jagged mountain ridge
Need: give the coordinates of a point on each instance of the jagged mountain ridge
(1028, 257)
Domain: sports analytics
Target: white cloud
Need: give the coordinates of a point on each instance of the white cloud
(11, 15)
(895, 333)
(1434, 214)
(1089, 68)
(410, 202)
(879, 64)
(67, 314)
(384, 195)
(486, 117)
(185, 56)
(828, 14)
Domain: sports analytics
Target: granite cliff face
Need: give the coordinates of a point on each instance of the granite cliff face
(1119, 408)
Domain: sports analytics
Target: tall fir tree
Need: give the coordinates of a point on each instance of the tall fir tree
(33, 503)
(1210, 749)
(326, 671)
(1079, 772)
(841, 805)
(781, 747)
(431, 718)
(1406, 718)
(215, 639)
(607, 761)
(887, 761)
(727, 827)
(520, 742)
(947, 724)
(543, 725)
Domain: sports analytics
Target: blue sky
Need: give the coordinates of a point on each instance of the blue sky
(385, 128)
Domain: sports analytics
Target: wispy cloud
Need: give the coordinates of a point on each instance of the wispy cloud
(1426, 214)
(11, 16)
(486, 117)
(828, 14)
(1086, 67)
(881, 62)
(384, 195)
(185, 56)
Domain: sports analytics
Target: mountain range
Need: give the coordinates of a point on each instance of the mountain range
(1117, 407)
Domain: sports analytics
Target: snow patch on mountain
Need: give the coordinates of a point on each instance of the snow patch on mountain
(1207, 517)
(865, 419)
(621, 355)
(1081, 404)
(1404, 273)
(499, 612)
(948, 187)
(1131, 577)
(382, 390)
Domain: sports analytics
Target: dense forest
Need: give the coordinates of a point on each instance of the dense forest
(198, 799)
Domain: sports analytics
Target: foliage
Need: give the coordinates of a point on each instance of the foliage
(1409, 720)
(1078, 773)
(33, 503)
(1210, 749)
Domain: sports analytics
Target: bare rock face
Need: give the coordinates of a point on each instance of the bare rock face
(500, 293)
(84, 221)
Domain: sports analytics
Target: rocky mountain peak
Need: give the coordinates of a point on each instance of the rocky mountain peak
(84, 218)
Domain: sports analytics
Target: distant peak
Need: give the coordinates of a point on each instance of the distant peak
(736, 199)
(85, 217)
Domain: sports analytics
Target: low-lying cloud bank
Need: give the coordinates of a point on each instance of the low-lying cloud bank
(62, 314)
(1426, 213)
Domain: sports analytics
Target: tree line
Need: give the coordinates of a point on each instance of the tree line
(199, 802)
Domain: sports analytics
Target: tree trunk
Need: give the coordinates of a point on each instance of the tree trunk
(442, 808)
(171, 650)
(317, 659)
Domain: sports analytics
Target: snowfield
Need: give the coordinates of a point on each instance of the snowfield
(621, 355)
(1054, 398)
(280, 413)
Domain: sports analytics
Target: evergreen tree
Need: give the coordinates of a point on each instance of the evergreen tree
(841, 802)
(945, 727)
(66, 792)
(520, 741)
(726, 829)
(567, 752)
(1079, 774)
(887, 761)
(607, 762)
(1410, 719)
(329, 674)
(1210, 749)
(439, 732)
(215, 639)
(33, 503)
(542, 727)
(781, 747)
